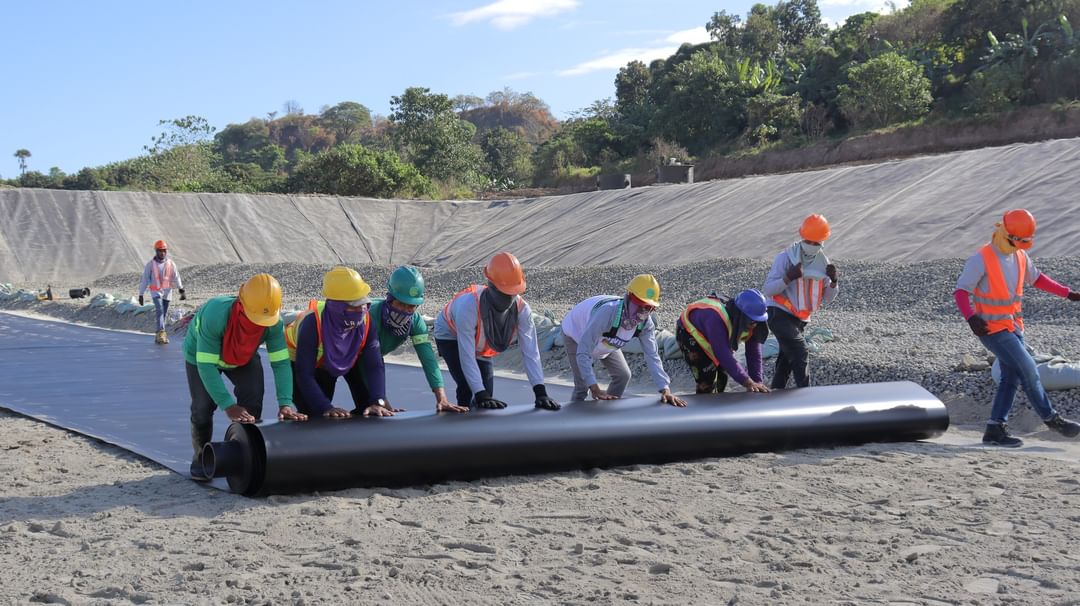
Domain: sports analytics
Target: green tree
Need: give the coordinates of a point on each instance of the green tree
(761, 36)
(430, 135)
(189, 130)
(346, 120)
(353, 170)
(725, 29)
(509, 157)
(884, 90)
(249, 143)
(22, 155)
(699, 104)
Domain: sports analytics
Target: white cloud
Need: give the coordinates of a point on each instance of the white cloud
(508, 14)
(619, 58)
(694, 35)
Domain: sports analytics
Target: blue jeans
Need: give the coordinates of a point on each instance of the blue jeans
(1017, 368)
(161, 308)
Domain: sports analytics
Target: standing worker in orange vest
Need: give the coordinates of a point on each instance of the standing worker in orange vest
(995, 277)
(801, 281)
(481, 322)
(161, 277)
(334, 338)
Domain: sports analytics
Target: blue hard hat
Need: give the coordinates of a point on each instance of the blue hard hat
(752, 303)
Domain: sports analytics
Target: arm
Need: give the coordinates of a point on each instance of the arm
(830, 293)
(963, 303)
(179, 282)
(714, 330)
(464, 312)
(776, 281)
(144, 283)
(647, 338)
(374, 368)
(278, 354)
(1047, 284)
(599, 322)
(754, 364)
(307, 347)
(530, 349)
(207, 356)
(421, 342)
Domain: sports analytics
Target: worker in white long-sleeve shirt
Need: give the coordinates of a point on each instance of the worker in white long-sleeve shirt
(161, 277)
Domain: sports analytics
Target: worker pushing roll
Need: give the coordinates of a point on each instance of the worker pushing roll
(599, 327)
(709, 333)
(994, 278)
(481, 322)
(223, 339)
(333, 339)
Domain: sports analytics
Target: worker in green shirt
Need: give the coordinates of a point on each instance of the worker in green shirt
(223, 339)
(398, 320)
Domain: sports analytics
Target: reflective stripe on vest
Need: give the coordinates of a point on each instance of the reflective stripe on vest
(486, 351)
(159, 280)
(1000, 306)
(808, 296)
(315, 306)
(716, 306)
(616, 320)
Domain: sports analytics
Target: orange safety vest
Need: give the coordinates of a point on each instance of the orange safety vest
(160, 280)
(999, 306)
(713, 305)
(474, 290)
(316, 307)
(810, 293)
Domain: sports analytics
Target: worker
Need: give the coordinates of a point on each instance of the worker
(161, 277)
(801, 280)
(481, 322)
(223, 339)
(709, 333)
(995, 277)
(599, 327)
(332, 339)
(398, 320)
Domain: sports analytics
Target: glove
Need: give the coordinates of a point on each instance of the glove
(183, 297)
(542, 399)
(830, 270)
(794, 273)
(483, 399)
(1074, 296)
(141, 301)
(978, 326)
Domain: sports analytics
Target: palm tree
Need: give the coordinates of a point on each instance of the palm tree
(22, 155)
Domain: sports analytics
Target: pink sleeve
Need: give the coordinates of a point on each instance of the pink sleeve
(1049, 285)
(963, 303)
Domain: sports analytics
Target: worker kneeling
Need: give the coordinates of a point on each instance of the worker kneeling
(223, 339)
(332, 339)
(599, 327)
(709, 333)
(481, 322)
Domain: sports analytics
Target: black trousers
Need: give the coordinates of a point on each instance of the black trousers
(327, 382)
(794, 357)
(248, 388)
(709, 377)
(449, 352)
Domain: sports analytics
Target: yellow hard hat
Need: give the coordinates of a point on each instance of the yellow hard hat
(261, 298)
(344, 284)
(646, 289)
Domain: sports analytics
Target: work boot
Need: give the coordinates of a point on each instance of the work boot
(164, 338)
(1067, 428)
(157, 337)
(197, 472)
(997, 434)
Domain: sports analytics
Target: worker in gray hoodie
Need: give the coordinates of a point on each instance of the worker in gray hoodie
(801, 280)
(599, 327)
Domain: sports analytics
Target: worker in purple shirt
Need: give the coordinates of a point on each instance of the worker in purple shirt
(709, 333)
(334, 338)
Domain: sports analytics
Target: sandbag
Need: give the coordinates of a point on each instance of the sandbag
(1055, 372)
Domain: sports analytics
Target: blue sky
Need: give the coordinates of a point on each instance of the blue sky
(86, 82)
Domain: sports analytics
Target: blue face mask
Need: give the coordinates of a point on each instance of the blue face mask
(399, 322)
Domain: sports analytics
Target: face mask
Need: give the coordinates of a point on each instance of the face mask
(810, 250)
(399, 322)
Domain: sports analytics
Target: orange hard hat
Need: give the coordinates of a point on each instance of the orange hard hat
(160, 245)
(815, 228)
(504, 271)
(1019, 223)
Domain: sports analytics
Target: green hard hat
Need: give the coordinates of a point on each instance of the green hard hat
(406, 285)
